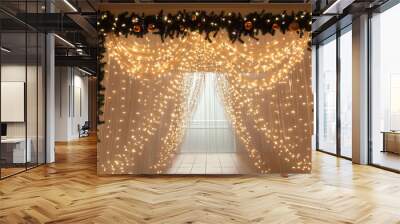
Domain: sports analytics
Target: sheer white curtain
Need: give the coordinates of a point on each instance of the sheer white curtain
(208, 130)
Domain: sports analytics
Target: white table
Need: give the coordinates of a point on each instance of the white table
(18, 144)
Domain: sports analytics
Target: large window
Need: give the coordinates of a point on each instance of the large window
(327, 96)
(385, 89)
(346, 93)
(334, 73)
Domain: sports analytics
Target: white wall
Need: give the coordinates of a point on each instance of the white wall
(71, 102)
(62, 82)
(33, 126)
(16, 73)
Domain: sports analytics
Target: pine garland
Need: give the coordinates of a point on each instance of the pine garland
(180, 24)
(100, 77)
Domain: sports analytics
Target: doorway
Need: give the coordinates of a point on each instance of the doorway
(209, 145)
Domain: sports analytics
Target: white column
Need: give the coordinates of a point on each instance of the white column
(50, 99)
(314, 90)
(360, 90)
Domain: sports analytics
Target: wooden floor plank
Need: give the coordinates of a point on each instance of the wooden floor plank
(69, 191)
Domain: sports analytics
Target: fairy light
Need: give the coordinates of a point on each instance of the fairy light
(266, 93)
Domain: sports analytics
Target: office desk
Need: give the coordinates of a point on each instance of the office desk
(13, 150)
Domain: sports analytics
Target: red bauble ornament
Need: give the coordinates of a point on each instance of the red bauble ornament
(182, 28)
(248, 25)
(294, 26)
(137, 28)
(151, 27)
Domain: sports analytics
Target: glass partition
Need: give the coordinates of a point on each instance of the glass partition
(22, 88)
(14, 153)
(327, 96)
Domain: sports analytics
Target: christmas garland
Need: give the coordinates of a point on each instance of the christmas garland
(100, 77)
(182, 23)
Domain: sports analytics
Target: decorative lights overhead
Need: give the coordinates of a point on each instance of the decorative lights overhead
(210, 24)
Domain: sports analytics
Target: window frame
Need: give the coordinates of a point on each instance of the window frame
(381, 9)
(334, 37)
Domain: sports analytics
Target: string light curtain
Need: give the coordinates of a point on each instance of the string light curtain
(265, 87)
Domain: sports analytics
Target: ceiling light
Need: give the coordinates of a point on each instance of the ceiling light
(333, 6)
(5, 49)
(65, 41)
(79, 51)
(337, 7)
(70, 5)
(84, 71)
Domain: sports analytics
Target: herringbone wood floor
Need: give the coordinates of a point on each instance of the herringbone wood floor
(70, 192)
